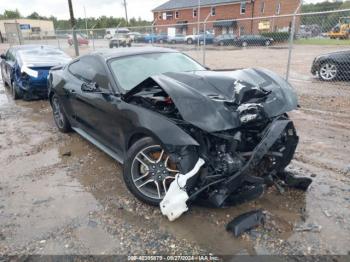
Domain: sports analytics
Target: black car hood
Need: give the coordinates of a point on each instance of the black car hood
(202, 97)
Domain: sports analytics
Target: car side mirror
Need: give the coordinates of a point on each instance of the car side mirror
(3, 56)
(93, 87)
(90, 87)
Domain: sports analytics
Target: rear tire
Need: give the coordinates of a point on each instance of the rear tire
(244, 44)
(59, 116)
(190, 41)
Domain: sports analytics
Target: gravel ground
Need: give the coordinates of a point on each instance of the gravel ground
(61, 195)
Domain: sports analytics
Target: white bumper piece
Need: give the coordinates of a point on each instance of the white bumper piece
(174, 203)
(29, 71)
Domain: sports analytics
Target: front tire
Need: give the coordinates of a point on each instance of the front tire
(14, 91)
(328, 71)
(190, 41)
(59, 116)
(148, 171)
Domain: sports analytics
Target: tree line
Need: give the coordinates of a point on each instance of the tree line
(92, 22)
(325, 21)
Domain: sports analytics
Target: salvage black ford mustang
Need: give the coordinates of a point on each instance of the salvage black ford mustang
(218, 135)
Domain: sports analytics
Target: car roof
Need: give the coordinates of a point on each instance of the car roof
(122, 52)
(23, 47)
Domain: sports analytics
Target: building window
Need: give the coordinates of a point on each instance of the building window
(213, 11)
(164, 16)
(262, 7)
(176, 14)
(194, 12)
(169, 15)
(241, 30)
(243, 7)
(278, 8)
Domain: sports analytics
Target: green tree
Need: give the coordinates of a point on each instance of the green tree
(11, 14)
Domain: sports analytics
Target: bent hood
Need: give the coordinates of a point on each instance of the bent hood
(210, 100)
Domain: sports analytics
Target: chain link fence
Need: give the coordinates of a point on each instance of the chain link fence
(296, 46)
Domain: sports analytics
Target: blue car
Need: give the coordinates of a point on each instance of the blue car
(25, 69)
(150, 38)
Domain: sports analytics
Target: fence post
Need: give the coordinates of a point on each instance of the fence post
(75, 42)
(205, 37)
(152, 29)
(291, 40)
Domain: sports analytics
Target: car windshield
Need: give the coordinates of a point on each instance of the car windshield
(132, 70)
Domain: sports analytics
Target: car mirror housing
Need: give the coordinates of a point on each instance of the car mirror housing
(2, 56)
(93, 88)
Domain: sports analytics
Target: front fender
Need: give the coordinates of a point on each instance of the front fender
(147, 122)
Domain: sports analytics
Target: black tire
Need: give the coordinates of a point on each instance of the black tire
(161, 41)
(3, 80)
(267, 43)
(59, 116)
(173, 42)
(132, 166)
(14, 91)
(244, 44)
(190, 41)
(221, 43)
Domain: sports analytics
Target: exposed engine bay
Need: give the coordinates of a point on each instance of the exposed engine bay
(245, 138)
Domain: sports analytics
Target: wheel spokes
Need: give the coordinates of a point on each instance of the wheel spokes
(141, 177)
(158, 189)
(147, 157)
(145, 183)
(168, 168)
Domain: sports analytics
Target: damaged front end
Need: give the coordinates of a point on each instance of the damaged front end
(240, 123)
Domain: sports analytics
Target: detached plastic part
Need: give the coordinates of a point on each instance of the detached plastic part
(246, 221)
(29, 71)
(174, 203)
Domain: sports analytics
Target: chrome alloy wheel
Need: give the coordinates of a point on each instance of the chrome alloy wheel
(57, 112)
(328, 71)
(152, 172)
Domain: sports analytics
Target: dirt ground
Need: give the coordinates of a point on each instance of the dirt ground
(61, 195)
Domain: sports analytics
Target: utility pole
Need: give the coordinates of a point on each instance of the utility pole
(252, 21)
(85, 19)
(126, 12)
(72, 21)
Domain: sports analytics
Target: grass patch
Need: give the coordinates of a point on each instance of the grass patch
(322, 41)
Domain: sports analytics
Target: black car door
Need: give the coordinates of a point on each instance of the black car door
(344, 62)
(97, 111)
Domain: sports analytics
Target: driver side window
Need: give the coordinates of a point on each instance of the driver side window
(89, 69)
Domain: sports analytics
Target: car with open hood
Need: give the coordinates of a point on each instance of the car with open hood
(183, 133)
(25, 69)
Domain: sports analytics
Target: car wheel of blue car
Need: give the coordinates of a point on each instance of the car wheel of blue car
(60, 118)
(14, 91)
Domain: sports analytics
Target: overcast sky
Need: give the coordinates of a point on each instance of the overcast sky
(94, 8)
